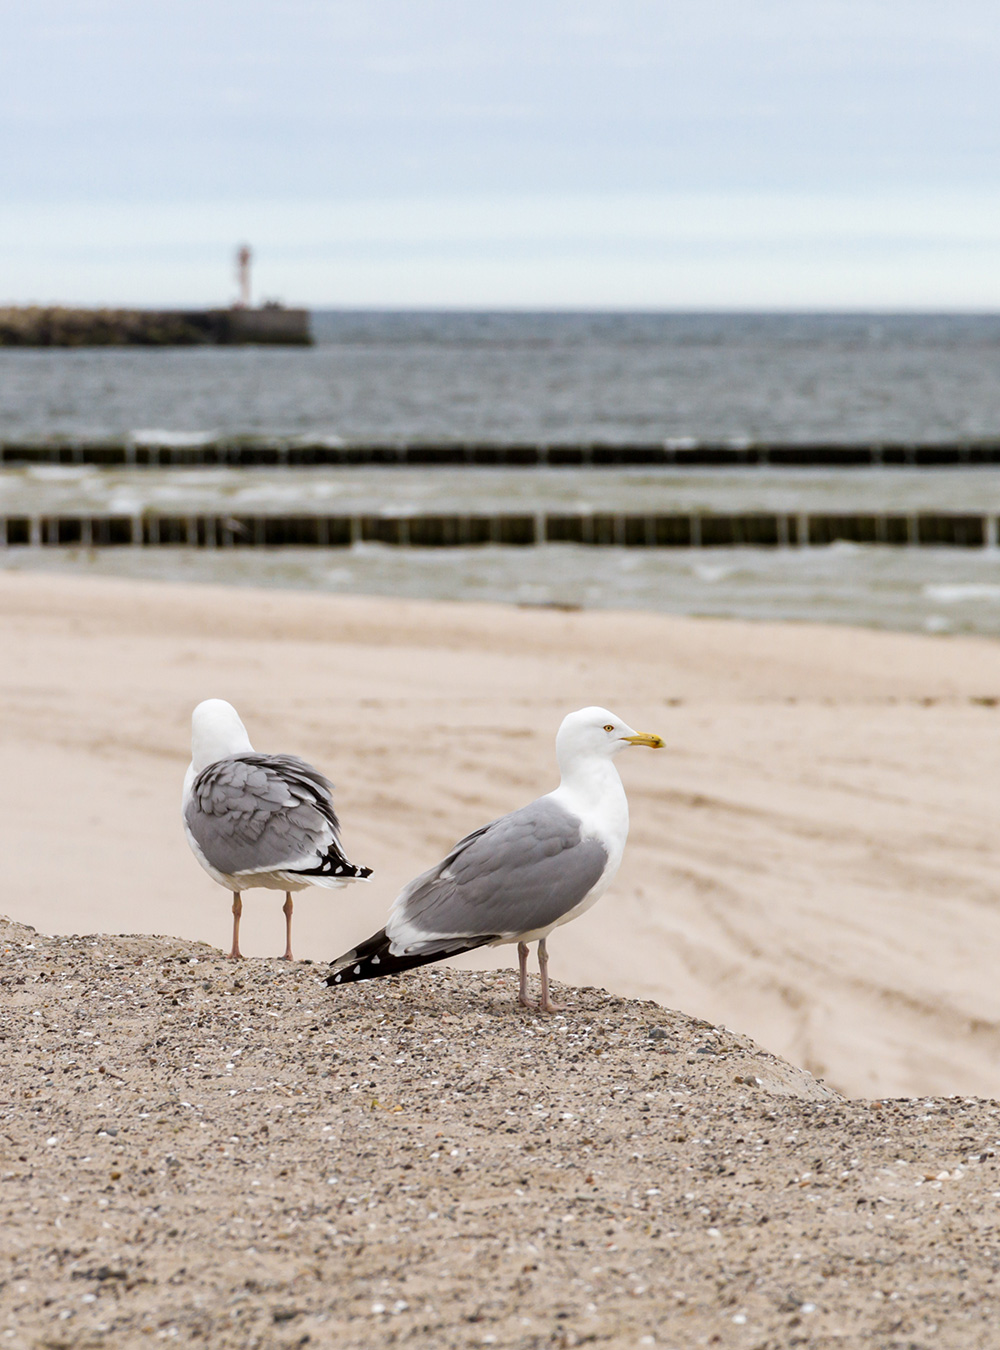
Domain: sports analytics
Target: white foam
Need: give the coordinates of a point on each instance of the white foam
(330, 440)
(959, 592)
(711, 572)
(158, 436)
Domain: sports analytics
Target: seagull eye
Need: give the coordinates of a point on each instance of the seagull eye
(610, 726)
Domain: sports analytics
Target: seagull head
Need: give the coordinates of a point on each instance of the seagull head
(595, 732)
(216, 733)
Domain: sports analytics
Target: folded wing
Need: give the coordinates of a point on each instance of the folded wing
(518, 875)
(268, 814)
(523, 872)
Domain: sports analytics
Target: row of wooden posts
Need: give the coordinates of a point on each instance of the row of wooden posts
(263, 453)
(677, 529)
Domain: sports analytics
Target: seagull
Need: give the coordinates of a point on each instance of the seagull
(519, 877)
(258, 820)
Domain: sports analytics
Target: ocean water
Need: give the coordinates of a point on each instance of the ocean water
(935, 591)
(510, 377)
(614, 377)
(402, 490)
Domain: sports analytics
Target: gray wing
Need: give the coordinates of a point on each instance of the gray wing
(263, 813)
(522, 872)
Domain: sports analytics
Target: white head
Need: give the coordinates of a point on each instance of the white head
(595, 733)
(216, 733)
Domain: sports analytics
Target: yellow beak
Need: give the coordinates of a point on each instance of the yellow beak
(645, 738)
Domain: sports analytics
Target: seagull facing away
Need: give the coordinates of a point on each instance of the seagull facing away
(259, 820)
(521, 876)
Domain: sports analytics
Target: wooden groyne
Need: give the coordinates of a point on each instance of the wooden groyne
(759, 529)
(57, 326)
(191, 452)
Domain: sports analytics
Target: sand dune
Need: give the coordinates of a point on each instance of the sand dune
(237, 1156)
(813, 859)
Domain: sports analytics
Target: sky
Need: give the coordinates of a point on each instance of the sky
(539, 154)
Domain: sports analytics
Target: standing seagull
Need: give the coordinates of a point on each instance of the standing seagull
(521, 876)
(258, 820)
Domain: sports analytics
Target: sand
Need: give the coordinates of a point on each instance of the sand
(813, 859)
(195, 1152)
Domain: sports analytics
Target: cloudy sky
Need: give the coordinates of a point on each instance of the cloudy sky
(532, 154)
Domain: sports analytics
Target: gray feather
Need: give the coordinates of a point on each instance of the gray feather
(522, 872)
(256, 813)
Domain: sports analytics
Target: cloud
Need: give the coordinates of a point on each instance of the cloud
(542, 151)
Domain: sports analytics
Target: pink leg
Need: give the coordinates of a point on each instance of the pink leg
(522, 957)
(236, 954)
(286, 909)
(546, 1005)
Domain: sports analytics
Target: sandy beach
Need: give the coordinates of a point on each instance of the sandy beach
(813, 859)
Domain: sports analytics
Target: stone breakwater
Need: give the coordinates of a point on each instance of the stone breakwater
(58, 326)
(235, 1155)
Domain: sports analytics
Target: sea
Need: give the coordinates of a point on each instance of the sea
(679, 379)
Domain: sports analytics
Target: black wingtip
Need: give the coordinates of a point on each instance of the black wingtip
(337, 868)
(363, 962)
(372, 958)
(350, 871)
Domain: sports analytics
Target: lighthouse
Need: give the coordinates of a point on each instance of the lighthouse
(244, 256)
